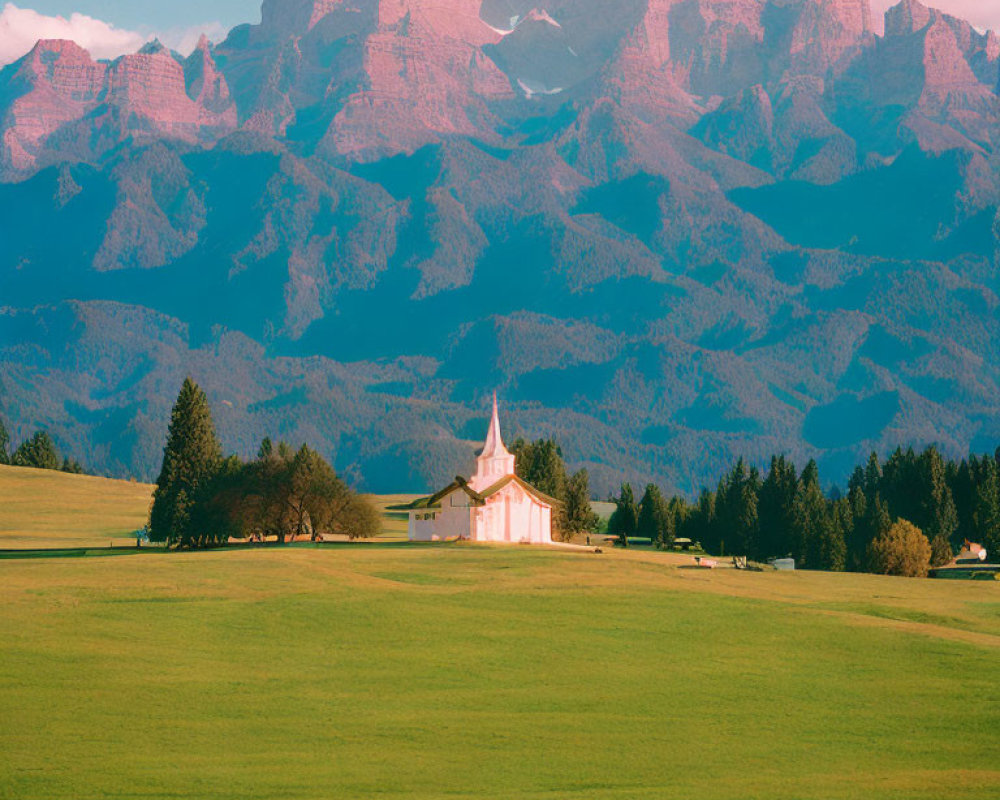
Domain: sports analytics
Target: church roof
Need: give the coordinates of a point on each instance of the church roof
(494, 446)
(507, 479)
(434, 500)
(478, 498)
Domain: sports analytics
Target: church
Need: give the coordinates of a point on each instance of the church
(494, 505)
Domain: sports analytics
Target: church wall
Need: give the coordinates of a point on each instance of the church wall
(513, 515)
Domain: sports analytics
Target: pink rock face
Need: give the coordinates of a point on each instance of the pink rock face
(827, 31)
(280, 18)
(426, 76)
(909, 16)
(142, 94)
(151, 93)
(60, 82)
(207, 88)
(942, 69)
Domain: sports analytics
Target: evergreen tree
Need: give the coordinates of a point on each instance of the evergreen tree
(73, 466)
(266, 448)
(777, 495)
(810, 520)
(655, 520)
(699, 524)
(38, 452)
(986, 505)
(901, 485)
(962, 490)
(4, 443)
(855, 537)
(625, 518)
(218, 509)
(579, 515)
(873, 476)
(941, 552)
(834, 534)
(190, 458)
(541, 464)
(936, 514)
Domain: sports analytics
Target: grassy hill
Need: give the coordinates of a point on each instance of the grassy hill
(42, 508)
(400, 671)
(46, 509)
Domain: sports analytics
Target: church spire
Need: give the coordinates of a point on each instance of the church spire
(495, 461)
(494, 442)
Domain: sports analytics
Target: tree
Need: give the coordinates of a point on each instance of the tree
(294, 494)
(541, 464)
(4, 443)
(579, 515)
(655, 520)
(986, 505)
(941, 552)
(37, 452)
(939, 516)
(72, 466)
(777, 495)
(191, 457)
(700, 522)
(902, 550)
(218, 511)
(625, 518)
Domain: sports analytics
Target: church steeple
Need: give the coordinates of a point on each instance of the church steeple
(495, 461)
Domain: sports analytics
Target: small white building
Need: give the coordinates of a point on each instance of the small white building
(494, 505)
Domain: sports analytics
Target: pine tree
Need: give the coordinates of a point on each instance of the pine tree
(655, 520)
(4, 443)
(38, 452)
(625, 518)
(873, 476)
(777, 494)
(810, 520)
(939, 516)
(541, 464)
(190, 458)
(986, 505)
(941, 552)
(579, 515)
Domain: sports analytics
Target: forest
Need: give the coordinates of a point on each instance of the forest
(912, 502)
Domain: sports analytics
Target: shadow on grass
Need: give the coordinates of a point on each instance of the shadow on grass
(89, 552)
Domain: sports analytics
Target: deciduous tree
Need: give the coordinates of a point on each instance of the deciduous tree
(902, 550)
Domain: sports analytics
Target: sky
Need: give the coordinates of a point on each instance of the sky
(108, 28)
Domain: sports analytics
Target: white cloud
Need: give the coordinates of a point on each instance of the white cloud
(983, 14)
(183, 40)
(20, 28)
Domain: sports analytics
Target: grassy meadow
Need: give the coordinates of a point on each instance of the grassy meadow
(43, 508)
(461, 671)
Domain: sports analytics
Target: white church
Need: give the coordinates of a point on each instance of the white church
(494, 505)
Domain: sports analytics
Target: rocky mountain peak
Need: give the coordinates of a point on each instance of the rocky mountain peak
(297, 17)
(909, 16)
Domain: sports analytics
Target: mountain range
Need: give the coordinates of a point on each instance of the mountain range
(668, 232)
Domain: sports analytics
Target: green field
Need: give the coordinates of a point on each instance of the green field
(42, 508)
(389, 670)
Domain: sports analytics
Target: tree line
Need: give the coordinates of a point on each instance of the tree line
(37, 451)
(784, 513)
(202, 498)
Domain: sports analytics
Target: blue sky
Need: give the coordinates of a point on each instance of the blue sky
(150, 15)
(108, 28)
